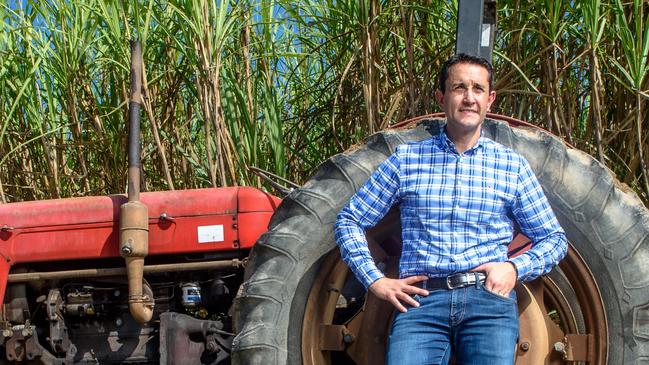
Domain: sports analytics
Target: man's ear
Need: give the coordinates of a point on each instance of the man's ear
(492, 98)
(439, 96)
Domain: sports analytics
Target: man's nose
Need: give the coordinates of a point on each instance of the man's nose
(469, 97)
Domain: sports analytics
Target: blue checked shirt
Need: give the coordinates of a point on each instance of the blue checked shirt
(457, 211)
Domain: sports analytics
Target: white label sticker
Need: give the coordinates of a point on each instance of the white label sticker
(210, 233)
(486, 35)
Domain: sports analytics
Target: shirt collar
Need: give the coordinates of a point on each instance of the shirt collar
(445, 143)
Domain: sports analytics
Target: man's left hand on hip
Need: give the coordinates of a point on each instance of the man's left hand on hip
(501, 276)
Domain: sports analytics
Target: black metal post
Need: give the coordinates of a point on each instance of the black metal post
(476, 27)
(134, 106)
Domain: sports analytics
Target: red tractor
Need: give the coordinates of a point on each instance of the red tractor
(69, 298)
(159, 277)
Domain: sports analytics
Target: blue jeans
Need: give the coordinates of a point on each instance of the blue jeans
(472, 323)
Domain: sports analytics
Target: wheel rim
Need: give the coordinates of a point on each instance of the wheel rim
(552, 315)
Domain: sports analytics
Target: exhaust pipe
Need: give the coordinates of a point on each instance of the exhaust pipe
(134, 216)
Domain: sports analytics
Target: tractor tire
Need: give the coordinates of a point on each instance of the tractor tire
(605, 222)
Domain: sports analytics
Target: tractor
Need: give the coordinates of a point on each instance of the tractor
(238, 275)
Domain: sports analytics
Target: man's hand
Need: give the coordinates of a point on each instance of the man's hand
(501, 277)
(396, 291)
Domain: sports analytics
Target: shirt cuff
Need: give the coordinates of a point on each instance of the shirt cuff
(515, 268)
(368, 278)
(522, 266)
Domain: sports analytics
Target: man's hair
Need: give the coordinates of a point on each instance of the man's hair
(463, 58)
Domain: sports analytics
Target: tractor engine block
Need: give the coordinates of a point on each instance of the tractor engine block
(88, 321)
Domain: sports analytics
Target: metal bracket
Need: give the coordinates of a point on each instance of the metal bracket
(334, 337)
(579, 347)
(58, 338)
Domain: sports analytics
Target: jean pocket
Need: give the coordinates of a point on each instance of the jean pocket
(511, 298)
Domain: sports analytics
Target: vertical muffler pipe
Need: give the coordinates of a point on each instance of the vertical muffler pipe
(134, 216)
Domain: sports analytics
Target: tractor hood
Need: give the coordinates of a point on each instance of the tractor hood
(179, 221)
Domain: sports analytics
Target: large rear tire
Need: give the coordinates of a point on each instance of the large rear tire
(606, 224)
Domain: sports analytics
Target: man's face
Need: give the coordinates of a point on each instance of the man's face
(466, 98)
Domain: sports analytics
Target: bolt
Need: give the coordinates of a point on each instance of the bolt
(525, 346)
(116, 293)
(559, 346)
(348, 338)
(126, 250)
(119, 322)
(211, 346)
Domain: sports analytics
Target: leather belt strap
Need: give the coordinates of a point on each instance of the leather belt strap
(455, 281)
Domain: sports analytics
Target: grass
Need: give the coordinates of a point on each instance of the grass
(281, 85)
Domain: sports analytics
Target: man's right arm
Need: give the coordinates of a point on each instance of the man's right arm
(364, 210)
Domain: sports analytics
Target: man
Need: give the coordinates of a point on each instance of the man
(459, 194)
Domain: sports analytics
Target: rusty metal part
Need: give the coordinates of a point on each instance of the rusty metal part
(537, 332)
(134, 246)
(569, 315)
(133, 242)
(79, 304)
(36, 353)
(15, 309)
(58, 336)
(134, 217)
(320, 308)
(139, 304)
(332, 337)
(134, 230)
(362, 337)
(148, 269)
(371, 326)
(590, 301)
(184, 339)
(541, 340)
(23, 345)
(578, 348)
(15, 346)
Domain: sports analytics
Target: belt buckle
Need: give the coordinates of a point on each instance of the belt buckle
(448, 282)
(464, 282)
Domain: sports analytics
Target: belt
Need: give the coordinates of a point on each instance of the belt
(455, 281)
